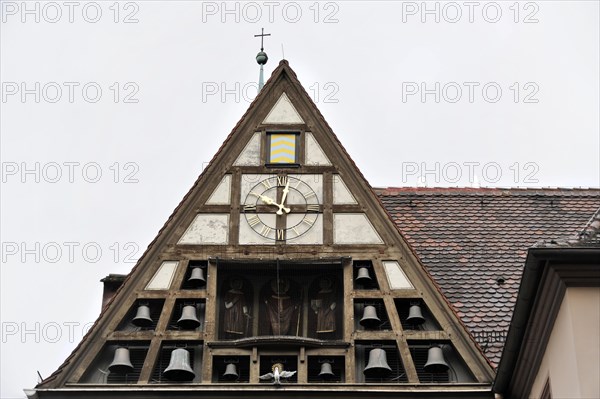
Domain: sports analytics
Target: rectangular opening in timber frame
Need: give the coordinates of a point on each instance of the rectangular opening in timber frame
(379, 362)
(108, 368)
(455, 369)
(231, 369)
(307, 301)
(288, 363)
(326, 369)
(283, 149)
(167, 358)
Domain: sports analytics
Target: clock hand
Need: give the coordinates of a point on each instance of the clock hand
(267, 200)
(281, 206)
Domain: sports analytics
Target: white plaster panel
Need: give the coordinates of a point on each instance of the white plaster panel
(207, 228)
(354, 228)
(248, 236)
(314, 152)
(341, 194)
(283, 112)
(250, 155)
(315, 182)
(395, 275)
(312, 236)
(222, 194)
(164, 276)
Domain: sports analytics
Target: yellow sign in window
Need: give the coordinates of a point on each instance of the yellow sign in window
(283, 148)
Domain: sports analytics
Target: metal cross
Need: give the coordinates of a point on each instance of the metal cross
(262, 36)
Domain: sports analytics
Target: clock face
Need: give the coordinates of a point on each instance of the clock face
(281, 208)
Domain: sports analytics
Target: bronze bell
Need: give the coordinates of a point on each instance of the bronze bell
(179, 368)
(378, 366)
(370, 319)
(414, 315)
(197, 277)
(121, 363)
(435, 361)
(231, 373)
(363, 276)
(142, 317)
(188, 319)
(326, 371)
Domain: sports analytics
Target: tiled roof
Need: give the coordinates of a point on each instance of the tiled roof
(474, 242)
(587, 237)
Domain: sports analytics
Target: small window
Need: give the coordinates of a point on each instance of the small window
(117, 363)
(143, 315)
(326, 369)
(386, 368)
(371, 315)
(231, 369)
(284, 363)
(364, 275)
(282, 149)
(188, 353)
(420, 357)
(188, 314)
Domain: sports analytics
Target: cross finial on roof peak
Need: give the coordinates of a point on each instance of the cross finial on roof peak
(262, 36)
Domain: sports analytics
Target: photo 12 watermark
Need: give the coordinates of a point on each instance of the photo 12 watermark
(48, 332)
(453, 12)
(70, 92)
(69, 172)
(270, 11)
(325, 93)
(89, 252)
(471, 173)
(55, 12)
(470, 92)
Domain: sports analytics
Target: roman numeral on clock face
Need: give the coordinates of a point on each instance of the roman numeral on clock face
(250, 208)
(312, 208)
(308, 221)
(267, 183)
(266, 230)
(254, 220)
(280, 235)
(310, 194)
(282, 180)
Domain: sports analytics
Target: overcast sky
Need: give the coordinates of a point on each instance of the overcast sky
(110, 111)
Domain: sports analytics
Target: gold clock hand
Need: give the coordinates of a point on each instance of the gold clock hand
(281, 206)
(267, 200)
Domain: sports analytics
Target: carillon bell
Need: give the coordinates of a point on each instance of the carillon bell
(188, 319)
(231, 373)
(363, 276)
(435, 361)
(370, 319)
(414, 315)
(378, 366)
(197, 278)
(142, 317)
(179, 368)
(121, 363)
(326, 371)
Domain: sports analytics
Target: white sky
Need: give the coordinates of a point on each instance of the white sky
(364, 64)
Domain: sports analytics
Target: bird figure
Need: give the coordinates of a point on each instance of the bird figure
(277, 374)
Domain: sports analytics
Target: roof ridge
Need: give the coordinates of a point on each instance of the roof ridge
(521, 191)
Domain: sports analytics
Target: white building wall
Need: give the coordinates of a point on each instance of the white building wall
(572, 357)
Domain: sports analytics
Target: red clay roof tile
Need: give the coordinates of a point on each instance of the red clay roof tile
(468, 237)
